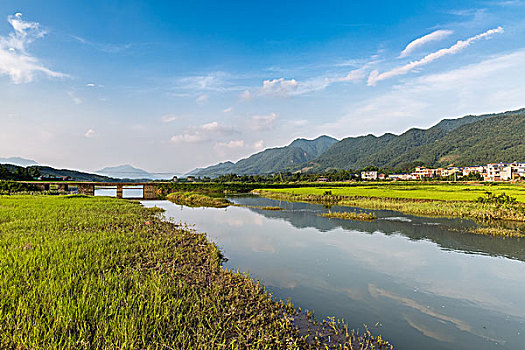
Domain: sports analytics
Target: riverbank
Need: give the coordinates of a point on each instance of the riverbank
(93, 272)
(482, 212)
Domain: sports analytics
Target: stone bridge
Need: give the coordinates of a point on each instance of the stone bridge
(88, 188)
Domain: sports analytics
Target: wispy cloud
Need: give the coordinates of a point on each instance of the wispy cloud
(15, 61)
(375, 76)
(104, 47)
(417, 43)
(77, 100)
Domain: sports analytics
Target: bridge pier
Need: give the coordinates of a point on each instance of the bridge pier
(119, 191)
(150, 191)
(86, 189)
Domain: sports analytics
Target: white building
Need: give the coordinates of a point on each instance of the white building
(369, 175)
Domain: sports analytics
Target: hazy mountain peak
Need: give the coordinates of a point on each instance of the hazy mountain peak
(125, 171)
(18, 161)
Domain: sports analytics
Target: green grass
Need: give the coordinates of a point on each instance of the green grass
(446, 192)
(101, 273)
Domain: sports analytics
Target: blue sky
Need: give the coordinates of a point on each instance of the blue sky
(173, 85)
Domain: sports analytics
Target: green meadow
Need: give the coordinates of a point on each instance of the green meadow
(102, 273)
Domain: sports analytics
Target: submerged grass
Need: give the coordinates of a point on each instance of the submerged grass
(350, 215)
(193, 199)
(103, 273)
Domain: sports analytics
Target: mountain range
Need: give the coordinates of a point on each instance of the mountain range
(272, 160)
(470, 140)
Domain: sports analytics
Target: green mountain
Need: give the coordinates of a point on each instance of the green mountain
(465, 141)
(272, 160)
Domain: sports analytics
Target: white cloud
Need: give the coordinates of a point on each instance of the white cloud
(187, 138)
(15, 61)
(246, 95)
(259, 145)
(484, 87)
(417, 43)
(375, 76)
(262, 122)
(168, 118)
(90, 133)
(204, 132)
(230, 144)
(201, 98)
(77, 100)
(91, 84)
(227, 110)
(280, 87)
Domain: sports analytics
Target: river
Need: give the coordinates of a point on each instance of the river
(417, 281)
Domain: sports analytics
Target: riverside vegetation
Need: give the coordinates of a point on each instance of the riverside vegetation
(103, 273)
(488, 209)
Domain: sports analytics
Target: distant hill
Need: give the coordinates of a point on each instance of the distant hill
(271, 160)
(75, 175)
(18, 161)
(125, 171)
(15, 172)
(463, 141)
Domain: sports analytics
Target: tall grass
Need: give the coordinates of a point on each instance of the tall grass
(103, 273)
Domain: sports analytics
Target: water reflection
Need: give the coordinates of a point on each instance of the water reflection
(408, 278)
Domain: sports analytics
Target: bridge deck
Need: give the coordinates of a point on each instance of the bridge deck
(88, 188)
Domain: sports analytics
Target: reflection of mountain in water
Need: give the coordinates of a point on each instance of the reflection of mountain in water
(442, 231)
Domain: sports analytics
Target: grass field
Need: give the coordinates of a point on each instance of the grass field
(103, 273)
(447, 192)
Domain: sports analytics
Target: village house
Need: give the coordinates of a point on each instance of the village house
(402, 177)
(478, 169)
(369, 175)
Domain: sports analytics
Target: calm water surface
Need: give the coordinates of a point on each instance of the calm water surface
(416, 281)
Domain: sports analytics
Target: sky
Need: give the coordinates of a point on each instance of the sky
(168, 86)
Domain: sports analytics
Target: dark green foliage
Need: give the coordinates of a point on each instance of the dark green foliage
(15, 172)
(497, 199)
(8, 187)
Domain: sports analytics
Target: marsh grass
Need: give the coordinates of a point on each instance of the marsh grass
(193, 199)
(104, 273)
(487, 213)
